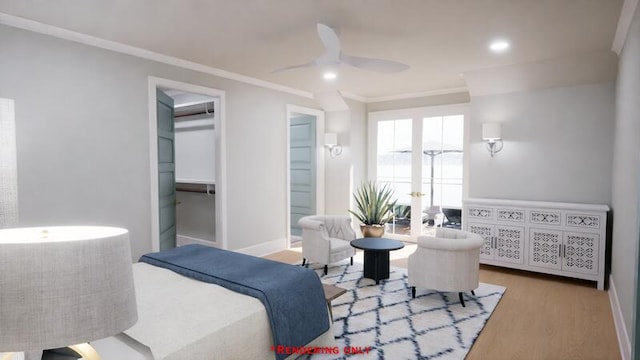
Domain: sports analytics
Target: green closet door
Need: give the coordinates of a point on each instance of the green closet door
(166, 171)
(303, 169)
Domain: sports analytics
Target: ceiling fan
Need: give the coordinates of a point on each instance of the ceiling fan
(333, 56)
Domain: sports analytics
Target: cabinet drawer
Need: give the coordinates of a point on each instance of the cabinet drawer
(587, 221)
(511, 215)
(484, 213)
(545, 217)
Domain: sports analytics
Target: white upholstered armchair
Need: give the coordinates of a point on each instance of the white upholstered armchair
(450, 261)
(326, 239)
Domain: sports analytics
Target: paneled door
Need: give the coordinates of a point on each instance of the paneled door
(166, 171)
(303, 169)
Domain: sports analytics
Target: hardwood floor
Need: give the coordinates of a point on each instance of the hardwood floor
(539, 317)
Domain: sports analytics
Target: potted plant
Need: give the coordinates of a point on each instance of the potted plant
(374, 208)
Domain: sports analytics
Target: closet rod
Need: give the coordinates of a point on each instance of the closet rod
(208, 189)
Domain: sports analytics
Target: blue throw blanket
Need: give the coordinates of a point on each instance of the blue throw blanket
(292, 295)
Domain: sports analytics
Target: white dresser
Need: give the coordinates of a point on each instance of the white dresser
(549, 237)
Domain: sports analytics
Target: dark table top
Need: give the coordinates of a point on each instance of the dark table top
(377, 244)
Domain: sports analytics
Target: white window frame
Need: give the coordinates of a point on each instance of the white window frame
(417, 114)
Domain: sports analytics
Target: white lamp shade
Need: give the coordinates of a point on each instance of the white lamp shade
(331, 139)
(62, 286)
(491, 131)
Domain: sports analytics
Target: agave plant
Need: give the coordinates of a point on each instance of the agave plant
(373, 204)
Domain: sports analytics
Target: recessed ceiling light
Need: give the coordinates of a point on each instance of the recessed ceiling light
(329, 75)
(498, 46)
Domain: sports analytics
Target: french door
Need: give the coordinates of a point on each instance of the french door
(419, 153)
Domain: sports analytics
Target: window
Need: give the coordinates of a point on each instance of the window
(442, 141)
(419, 153)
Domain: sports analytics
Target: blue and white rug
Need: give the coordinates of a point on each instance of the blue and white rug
(383, 321)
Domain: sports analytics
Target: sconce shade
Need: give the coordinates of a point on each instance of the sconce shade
(491, 131)
(331, 139)
(64, 285)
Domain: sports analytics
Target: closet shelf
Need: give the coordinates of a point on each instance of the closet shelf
(196, 186)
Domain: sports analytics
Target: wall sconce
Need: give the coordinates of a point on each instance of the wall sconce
(491, 133)
(331, 142)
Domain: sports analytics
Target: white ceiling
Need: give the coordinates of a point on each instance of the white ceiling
(440, 39)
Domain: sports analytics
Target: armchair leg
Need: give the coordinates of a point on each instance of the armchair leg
(352, 260)
(304, 261)
(326, 268)
(413, 292)
(461, 299)
(473, 293)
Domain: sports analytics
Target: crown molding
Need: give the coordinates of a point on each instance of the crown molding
(41, 28)
(416, 95)
(352, 96)
(368, 100)
(624, 23)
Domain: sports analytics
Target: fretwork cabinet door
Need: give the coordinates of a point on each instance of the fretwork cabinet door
(486, 232)
(509, 244)
(580, 252)
(501, 243)
(545, 248)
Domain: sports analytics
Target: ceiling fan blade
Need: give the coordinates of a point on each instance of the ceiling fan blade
(379, 65)
(331, 44)
(309, 64)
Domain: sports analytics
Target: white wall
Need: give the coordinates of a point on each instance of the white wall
(358, 140)
(558, 145)
(338, 169)
(625, 174)
(195, 150)
(83, 139)
(347, 170)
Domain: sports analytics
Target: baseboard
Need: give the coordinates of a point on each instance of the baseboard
(624, 341)
(265, 247)
(186, 240)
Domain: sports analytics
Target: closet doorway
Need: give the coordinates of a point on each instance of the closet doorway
(186, 127)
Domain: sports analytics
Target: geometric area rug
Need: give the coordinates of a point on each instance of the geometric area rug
(384, 322)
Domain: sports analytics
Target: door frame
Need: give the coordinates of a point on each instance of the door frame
(320, 190)
(220, 156)
(634, 341)
(416, 115)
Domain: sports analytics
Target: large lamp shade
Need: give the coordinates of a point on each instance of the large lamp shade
(491, 131)
(65, 285)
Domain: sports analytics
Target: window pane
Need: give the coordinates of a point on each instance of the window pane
(452, 131)
(394, 165)
(442, 161)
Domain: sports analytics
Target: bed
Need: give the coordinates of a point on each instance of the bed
(182, 318)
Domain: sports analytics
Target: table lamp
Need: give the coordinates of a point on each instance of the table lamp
(62, 286)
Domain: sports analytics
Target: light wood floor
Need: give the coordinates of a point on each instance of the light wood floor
(539, 317)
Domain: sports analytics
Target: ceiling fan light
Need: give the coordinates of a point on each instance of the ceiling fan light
(329, 75)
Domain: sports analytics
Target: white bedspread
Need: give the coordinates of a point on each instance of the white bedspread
(181, 318)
